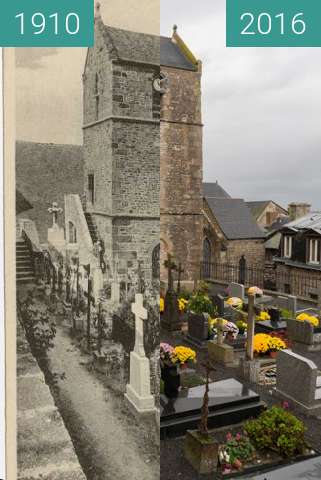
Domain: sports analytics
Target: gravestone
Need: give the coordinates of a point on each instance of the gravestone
(305, 338)
(298, 379)
(275, 324)
(138, 392)
(170, 319)
(236, 290)
(219, 304)
(229, 402)
(198, 330)
(218, 351)
(115, 292)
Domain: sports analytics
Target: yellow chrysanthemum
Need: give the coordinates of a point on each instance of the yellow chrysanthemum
(305, 317)
(235, 302)
(161, 305)
(183, 354)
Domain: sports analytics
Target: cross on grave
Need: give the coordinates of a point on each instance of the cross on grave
(170, 265)
(140, 313)
(54, 210)
(180, 270)
(203, 427)
(220, 331)
(250, 328)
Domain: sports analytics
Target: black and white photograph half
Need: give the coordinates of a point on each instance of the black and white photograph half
(88, 252)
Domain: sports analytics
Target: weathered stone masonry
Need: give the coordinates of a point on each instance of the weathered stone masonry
(121, 143)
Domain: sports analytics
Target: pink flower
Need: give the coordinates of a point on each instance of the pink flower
(285, 405)
(238, 436)
(166, 348)
(229, 436)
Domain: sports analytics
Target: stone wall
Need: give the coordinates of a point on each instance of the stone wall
(299, 281)
(181, 169)
(253, 250)
(44, 174)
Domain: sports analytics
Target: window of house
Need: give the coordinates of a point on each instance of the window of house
(91, 187)
(97, 96)
(72, 233)
(288, 241)
(314, 250)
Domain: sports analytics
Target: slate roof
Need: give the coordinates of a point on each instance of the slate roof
(312, 221)
(145, 48)
(234, 218)
(214, 190)
(139, 47)
(172, 56)
(257, 207)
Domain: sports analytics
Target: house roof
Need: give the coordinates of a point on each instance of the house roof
(234, 218)
(171, 55)
(214, 190)
(135, 46)
(146, 48)
(258, 207)
(22, 204)
(312, 222)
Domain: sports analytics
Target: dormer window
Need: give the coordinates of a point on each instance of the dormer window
(288, 242)
(314, 251)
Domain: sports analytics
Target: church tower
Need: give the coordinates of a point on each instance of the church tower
(121, 146)
(181, 156)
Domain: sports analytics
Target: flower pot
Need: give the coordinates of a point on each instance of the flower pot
(273, 354)
(171, 379)
(200, 452)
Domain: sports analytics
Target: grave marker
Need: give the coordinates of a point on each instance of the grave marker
(237, 290)
(138, 392)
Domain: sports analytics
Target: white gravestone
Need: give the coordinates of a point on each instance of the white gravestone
(237, 290)
(138, 390)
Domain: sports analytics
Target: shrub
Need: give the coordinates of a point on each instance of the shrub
(200, 303)
(278, 430)
(237, 447)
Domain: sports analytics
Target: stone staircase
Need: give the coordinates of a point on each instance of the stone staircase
(92, 227)
(24, 266)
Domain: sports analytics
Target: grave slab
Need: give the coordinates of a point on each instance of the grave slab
(230, 402)
(305, 470)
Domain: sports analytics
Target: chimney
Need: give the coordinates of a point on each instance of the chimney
(298, 210)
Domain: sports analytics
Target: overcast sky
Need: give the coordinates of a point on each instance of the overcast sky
(261, 107)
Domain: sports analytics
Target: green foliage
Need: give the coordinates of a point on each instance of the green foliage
(200, 303)
(286, 313)
(40, 330)
(277, 429)
(239, 447)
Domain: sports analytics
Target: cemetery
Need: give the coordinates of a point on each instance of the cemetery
(240, 381)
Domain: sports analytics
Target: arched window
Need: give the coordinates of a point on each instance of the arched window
(72, 233)
(155, 262)
(207, 258)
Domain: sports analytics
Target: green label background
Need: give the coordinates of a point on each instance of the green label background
(10, 26)
(311, 10)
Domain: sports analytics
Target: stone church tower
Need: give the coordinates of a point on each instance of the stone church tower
(121, 146)
(181, 156)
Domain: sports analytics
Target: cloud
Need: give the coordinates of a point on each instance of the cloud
(33, 57)
(261, 109)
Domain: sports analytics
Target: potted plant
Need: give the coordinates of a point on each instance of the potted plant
(237, 450)
(242, 326)
(258, 292)
(172, 359)
(275, 345)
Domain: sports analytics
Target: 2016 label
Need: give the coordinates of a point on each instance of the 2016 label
(39, 23)
(264, 23)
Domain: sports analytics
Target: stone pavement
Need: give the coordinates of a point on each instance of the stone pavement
(45, 450)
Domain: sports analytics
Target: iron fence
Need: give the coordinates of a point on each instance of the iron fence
(291, 281)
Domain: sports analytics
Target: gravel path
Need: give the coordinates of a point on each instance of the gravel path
(109, 442)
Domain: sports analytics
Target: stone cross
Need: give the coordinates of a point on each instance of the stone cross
(54, 210)
(220, 331)
(140, 313)
(179, 272)
(250, 328)
(170, 265)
